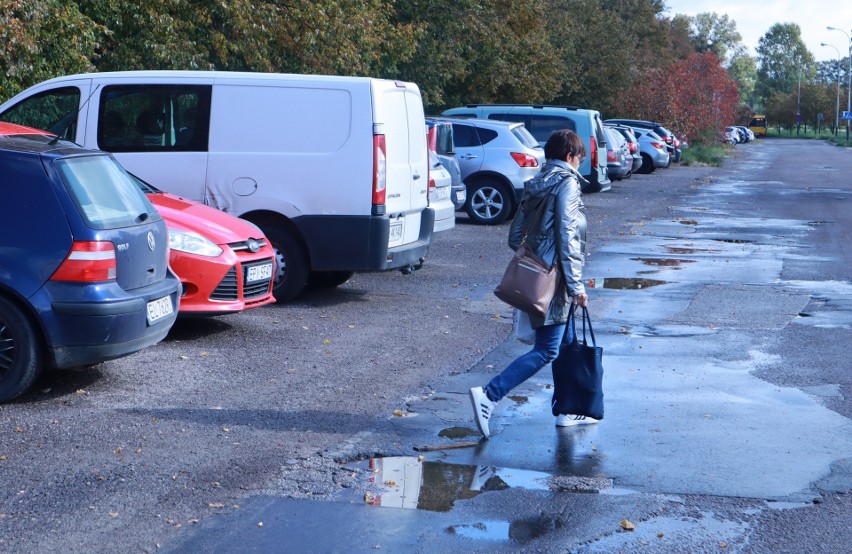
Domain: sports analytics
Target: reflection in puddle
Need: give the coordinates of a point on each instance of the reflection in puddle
(411, 483)
(457, 433)
(676, 250)
(624, 283)
(662, 262)
(735, 241)
(521, 531)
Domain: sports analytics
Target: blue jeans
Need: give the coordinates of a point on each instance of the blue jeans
(545, 350)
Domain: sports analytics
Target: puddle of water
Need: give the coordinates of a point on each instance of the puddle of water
(624, 283)
(457, 433)
(662, 262)
(788, 505)
(485, 530)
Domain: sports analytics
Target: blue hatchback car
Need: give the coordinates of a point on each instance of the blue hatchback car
(84, 273)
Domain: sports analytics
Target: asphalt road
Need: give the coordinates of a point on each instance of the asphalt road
(727, 385)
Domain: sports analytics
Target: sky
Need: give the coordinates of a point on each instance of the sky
(755, 17)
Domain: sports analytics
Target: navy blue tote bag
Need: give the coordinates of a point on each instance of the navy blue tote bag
(578, 372)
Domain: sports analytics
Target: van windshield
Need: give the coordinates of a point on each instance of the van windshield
(106, 196)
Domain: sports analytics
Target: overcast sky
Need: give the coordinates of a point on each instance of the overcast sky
(755, 17)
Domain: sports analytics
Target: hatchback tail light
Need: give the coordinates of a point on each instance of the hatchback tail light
(524, 160)
(659, 145)
(88, 262)
(379, 171)
(634, 147)
(611, 156)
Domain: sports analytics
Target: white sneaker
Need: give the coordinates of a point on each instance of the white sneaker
(482, 408)
(569, 420)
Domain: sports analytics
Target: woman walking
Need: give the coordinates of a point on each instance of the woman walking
(559, 237)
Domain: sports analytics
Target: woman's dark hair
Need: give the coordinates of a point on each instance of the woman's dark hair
(563, 143)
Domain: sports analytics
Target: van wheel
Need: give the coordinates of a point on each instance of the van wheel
(21, 355)
(489, 202)
(329, 279)
(647, 164)
(292, 270)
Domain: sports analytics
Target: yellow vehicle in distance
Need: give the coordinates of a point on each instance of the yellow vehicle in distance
(758, 125)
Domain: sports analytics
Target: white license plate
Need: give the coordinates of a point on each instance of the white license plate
(159, 308)
(395, 232)
(442, 193)
(259, 273)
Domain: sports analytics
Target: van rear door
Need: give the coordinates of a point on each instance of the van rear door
(399, 116)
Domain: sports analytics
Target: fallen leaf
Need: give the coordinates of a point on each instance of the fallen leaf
(723, 544)
(193, 520)
(18, 430)
(260, 524)
(82, 391)
(3, 458)
(204, 354)
(117, 451)
(489, 366)
(226, 429)
(397, 413)
(660, 535)
(217, 484)
(368, 497)
(326, 341)
(390, 483)
(420, 458)
(113, 514)
(627, 525)
(183, 357)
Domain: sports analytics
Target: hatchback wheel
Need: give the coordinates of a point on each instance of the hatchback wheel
(292, 272)
(647, 164)
(489, 202)
(20, 352)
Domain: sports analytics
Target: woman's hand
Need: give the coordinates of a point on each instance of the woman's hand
(581, 300)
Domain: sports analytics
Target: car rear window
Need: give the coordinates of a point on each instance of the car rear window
(106, 195)
(526, 138)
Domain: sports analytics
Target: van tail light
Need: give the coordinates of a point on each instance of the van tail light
(88, 262)
(659, 145)
(594, 153)
(380, 173)
(524, 160)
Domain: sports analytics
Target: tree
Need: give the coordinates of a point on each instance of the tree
(783, 59)
(711, 32)
(742, 68)
(40, 39)
(694, 97)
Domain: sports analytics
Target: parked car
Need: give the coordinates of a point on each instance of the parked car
(440, 192)
(224, 263)
(667, 136)
(653, 150)
(496, 159)
(85, 260)
(633, 145)
(619, 161)
(333, 169)
(737, 135)
(439, 138)
(745, 132)
(542, 120)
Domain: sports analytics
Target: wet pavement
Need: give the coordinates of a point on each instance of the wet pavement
(696, 445)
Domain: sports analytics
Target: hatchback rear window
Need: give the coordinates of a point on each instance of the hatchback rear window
(106, 195)
(525, 137)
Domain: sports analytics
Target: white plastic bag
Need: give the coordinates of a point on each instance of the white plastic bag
(523, 330)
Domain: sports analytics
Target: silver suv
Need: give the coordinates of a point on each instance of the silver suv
(496, 158)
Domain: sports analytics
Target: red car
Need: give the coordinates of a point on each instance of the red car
(225, 263)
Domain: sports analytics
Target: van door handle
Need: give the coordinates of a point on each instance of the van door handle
(416, 176)
(468, 156)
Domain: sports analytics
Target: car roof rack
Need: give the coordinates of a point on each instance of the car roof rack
(537, 106)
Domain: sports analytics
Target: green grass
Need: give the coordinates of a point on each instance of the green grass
(825, 135)
(704, 155)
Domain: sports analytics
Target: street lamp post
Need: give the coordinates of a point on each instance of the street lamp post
(849, 85)
(837, 108)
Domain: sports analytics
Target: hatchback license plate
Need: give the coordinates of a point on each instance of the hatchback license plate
(259, 273)
(395, 232)
(159, 308)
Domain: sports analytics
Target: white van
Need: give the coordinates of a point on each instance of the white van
(334, 170)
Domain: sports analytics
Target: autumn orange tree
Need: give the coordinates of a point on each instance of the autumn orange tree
(694, 97)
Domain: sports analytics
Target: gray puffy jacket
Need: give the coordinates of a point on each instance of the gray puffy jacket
(560, 235)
